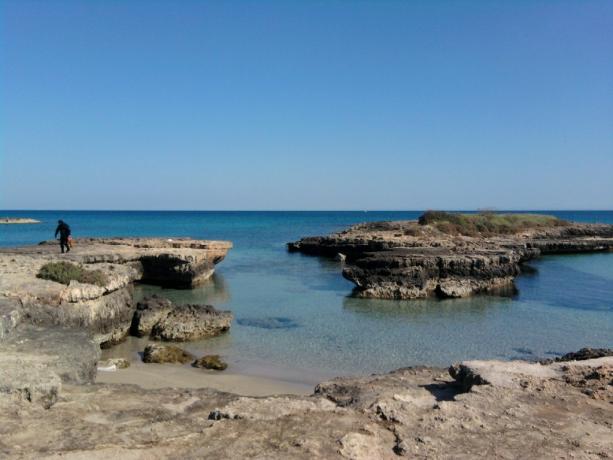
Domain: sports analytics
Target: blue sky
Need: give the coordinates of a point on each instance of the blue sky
(306, 104)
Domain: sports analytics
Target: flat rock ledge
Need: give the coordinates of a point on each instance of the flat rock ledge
(491, 409)
(405, 260)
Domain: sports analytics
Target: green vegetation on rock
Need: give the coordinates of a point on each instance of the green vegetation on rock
(65, 272)
(487, 223)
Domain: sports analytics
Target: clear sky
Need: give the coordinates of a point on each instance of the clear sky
(306, 104)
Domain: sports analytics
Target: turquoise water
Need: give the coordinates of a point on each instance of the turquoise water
(294, 313)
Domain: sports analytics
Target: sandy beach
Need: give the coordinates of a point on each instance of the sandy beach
(151, 376)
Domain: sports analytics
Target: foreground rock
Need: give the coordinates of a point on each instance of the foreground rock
(161, 320)
(406, 260)
(106, 311)
(35, 362)
(166, 354)
(510, 410)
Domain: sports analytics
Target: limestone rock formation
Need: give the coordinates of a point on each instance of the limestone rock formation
(35, 361)
(405, 260)
(160, 319)
(163, 354)
(191, 322)
(148, 312)
(106, 311)
(526, 410)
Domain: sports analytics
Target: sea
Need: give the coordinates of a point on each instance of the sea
(296, 318)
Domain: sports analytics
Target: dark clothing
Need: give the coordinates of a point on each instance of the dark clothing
(64, 244)
(64, 231)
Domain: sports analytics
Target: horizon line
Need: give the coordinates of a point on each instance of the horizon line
(313, 210)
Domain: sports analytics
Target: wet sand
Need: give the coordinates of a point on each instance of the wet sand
(174, 375)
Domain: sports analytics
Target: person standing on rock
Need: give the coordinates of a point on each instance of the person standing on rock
(64, 231)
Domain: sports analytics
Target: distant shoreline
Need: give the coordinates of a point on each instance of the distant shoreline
(18, 220)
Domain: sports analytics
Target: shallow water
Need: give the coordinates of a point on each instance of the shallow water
(295, 316)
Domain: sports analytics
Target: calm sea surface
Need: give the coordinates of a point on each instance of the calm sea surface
(294, 313)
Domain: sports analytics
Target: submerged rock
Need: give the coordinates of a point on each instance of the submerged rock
(276, 322)
(210, 362)
(163, 354)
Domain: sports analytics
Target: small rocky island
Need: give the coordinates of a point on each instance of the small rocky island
(450, 254)
(18, 220)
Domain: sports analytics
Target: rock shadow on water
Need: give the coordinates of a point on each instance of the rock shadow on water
(420, 309)
(274, 322)
(562, 286)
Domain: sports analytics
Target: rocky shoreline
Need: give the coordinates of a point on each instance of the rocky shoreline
(50, 405)
(409, 260)
(105, 311)
(479, 409)
(51, 333)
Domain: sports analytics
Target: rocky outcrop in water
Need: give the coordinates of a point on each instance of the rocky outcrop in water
(405, 260)
(148, 312)
(493, 409)
(160, 319)
(18, 220)
(191, 322)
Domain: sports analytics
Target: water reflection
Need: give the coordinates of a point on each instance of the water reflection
(213, 291)
(420, 309)
(564, 286)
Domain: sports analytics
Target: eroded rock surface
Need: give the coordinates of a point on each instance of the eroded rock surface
(148, 312)
(35, 361)
(530, 411)
(160, 319)
(191, 322)
(405, 260)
